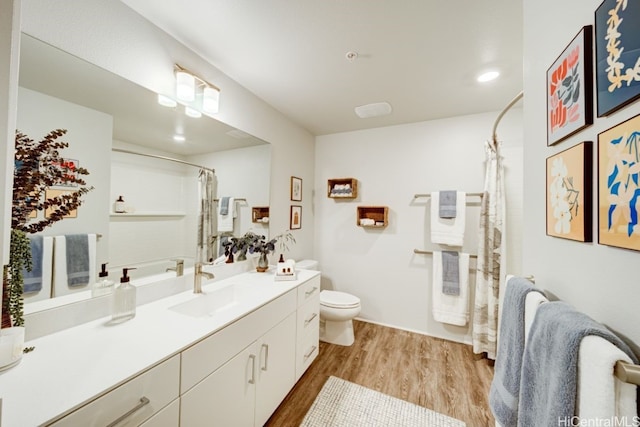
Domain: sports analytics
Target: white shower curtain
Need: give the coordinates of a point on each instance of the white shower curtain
(491, 255)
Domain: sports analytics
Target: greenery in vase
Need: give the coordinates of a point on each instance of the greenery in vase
(261, 245)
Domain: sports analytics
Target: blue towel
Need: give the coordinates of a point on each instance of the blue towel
(447, 205)
(550, 365)
(77, 259)
(505, 387)
(450, 273)
(33, 278)
(224, 206)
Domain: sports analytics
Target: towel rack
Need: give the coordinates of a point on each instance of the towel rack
(237, 200)
(418, 196)
(418, 251)
(627, 372)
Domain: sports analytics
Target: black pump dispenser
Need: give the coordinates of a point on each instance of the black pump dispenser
(103, 272)
(125, 278)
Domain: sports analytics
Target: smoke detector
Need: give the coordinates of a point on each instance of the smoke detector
(373, 110)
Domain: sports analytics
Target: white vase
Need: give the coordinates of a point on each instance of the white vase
(11, 346)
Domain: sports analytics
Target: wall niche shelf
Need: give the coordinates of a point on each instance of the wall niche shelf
(260, 214)
(342, 188)
(373, 216)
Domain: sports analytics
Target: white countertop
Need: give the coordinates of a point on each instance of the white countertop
(72, 367)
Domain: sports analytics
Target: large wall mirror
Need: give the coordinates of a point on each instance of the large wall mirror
(102, 112)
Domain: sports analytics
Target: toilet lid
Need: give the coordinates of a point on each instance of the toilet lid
(338, 299)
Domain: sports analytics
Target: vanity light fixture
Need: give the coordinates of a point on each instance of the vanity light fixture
(188, 86)
(165, 101)
(192, 112)
(210, 100)
(185, 86)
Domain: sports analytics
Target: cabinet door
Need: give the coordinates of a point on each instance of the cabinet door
(276, 368)
(226, 398)
(168, 417)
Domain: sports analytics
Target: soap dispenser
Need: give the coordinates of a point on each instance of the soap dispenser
(124, 299)
(104, 285)
(119, 205)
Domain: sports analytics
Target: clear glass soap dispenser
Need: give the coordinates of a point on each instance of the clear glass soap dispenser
(104, 285)
(124, 299)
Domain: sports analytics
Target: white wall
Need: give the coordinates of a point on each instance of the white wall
(392, 164)
(599, 280)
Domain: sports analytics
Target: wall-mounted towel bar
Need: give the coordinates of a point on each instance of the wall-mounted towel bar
(627, 372)
(418, 251)
(419, 196)
(237, 200)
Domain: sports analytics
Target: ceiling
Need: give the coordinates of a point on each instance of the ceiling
(421, 56)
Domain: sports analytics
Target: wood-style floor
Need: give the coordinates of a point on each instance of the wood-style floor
(431, 372)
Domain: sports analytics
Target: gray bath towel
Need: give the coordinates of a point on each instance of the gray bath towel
(33, 279)
(550, 364)
(450, 273)
(77, 246)
(505, 387)
(447, 204)
(224, 205)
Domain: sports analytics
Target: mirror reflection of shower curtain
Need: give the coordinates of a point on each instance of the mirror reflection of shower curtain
(207, 219)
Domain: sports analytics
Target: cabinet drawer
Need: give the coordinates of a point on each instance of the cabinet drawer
(159, 385)
(308, 319)
(209, 354)
(168, 417)
(307, 351)
(308, 289)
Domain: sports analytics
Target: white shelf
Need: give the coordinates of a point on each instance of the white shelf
(147, 214)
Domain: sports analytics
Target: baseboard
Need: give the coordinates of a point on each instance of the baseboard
(465, 341)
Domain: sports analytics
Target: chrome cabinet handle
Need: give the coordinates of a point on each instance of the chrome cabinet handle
(253, 369)
(266, 356)
(310, 319)
(311, 291)
(310, 352)
(143, 401)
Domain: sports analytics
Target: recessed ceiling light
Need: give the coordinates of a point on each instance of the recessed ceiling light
(178, 138)
(488, 76)
(373, 110)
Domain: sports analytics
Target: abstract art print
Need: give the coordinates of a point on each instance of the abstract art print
(569, 89)
(617, 40)
(619, 185)
(295, 217)
(296, 189)
(569, 193)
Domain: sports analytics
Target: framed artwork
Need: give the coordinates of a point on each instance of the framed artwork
(619, 185)
(296, 189)
(50, 194)
(569, 193)
(295, 217)
(617, 54)
(570, 90)
(69, 168)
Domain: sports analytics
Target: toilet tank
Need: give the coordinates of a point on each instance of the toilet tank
(307, 264)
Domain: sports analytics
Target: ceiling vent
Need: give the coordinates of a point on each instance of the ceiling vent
(373, 110)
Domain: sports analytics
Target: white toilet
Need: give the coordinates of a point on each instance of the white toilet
(337, 310)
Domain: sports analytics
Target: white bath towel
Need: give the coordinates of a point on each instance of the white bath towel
(448, 231)
(601, 396)
(47, 272)
(531, 304)
(452, 309)
(60, 277)
(225, 222)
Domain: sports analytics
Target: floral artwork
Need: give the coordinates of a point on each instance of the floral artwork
(569, 208)
(569, 90)
(617, 54)
(619, 185)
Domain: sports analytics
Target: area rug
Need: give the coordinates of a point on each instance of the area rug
(342, 403)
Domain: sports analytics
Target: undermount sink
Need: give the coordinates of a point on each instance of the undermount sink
(209, 303)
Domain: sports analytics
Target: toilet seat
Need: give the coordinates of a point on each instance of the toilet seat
(335, 299)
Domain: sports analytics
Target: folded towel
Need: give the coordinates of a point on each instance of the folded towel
(77, 259)
(225, 221)
(505, 387)
(447, 202)
(224, 206)
(532, 302)
(450, 273)
(450, 309)
(601, 395)
(448, 231)
(32, 280)
(548, 384)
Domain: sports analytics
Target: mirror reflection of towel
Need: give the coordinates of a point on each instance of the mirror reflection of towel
(77, 246)
(33, 279)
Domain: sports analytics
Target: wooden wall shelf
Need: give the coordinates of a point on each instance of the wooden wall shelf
(260, 214)
(342, 188)
(378, 214)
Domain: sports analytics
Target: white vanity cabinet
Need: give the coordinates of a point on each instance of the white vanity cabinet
(308, 325)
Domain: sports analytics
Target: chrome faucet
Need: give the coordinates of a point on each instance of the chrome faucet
(179, 268)
(197, 277)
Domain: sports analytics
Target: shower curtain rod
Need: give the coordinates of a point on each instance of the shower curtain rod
(155, 156)
(517, 98)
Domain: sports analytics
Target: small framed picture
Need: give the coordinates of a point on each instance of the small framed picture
(52, 194)
(569, 89)
(296, 189)
(295, 217)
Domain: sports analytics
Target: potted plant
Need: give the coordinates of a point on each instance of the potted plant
(264, 247)
(239, 246)
(38, 166)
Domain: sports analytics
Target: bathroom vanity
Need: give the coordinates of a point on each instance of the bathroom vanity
(225, 357)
